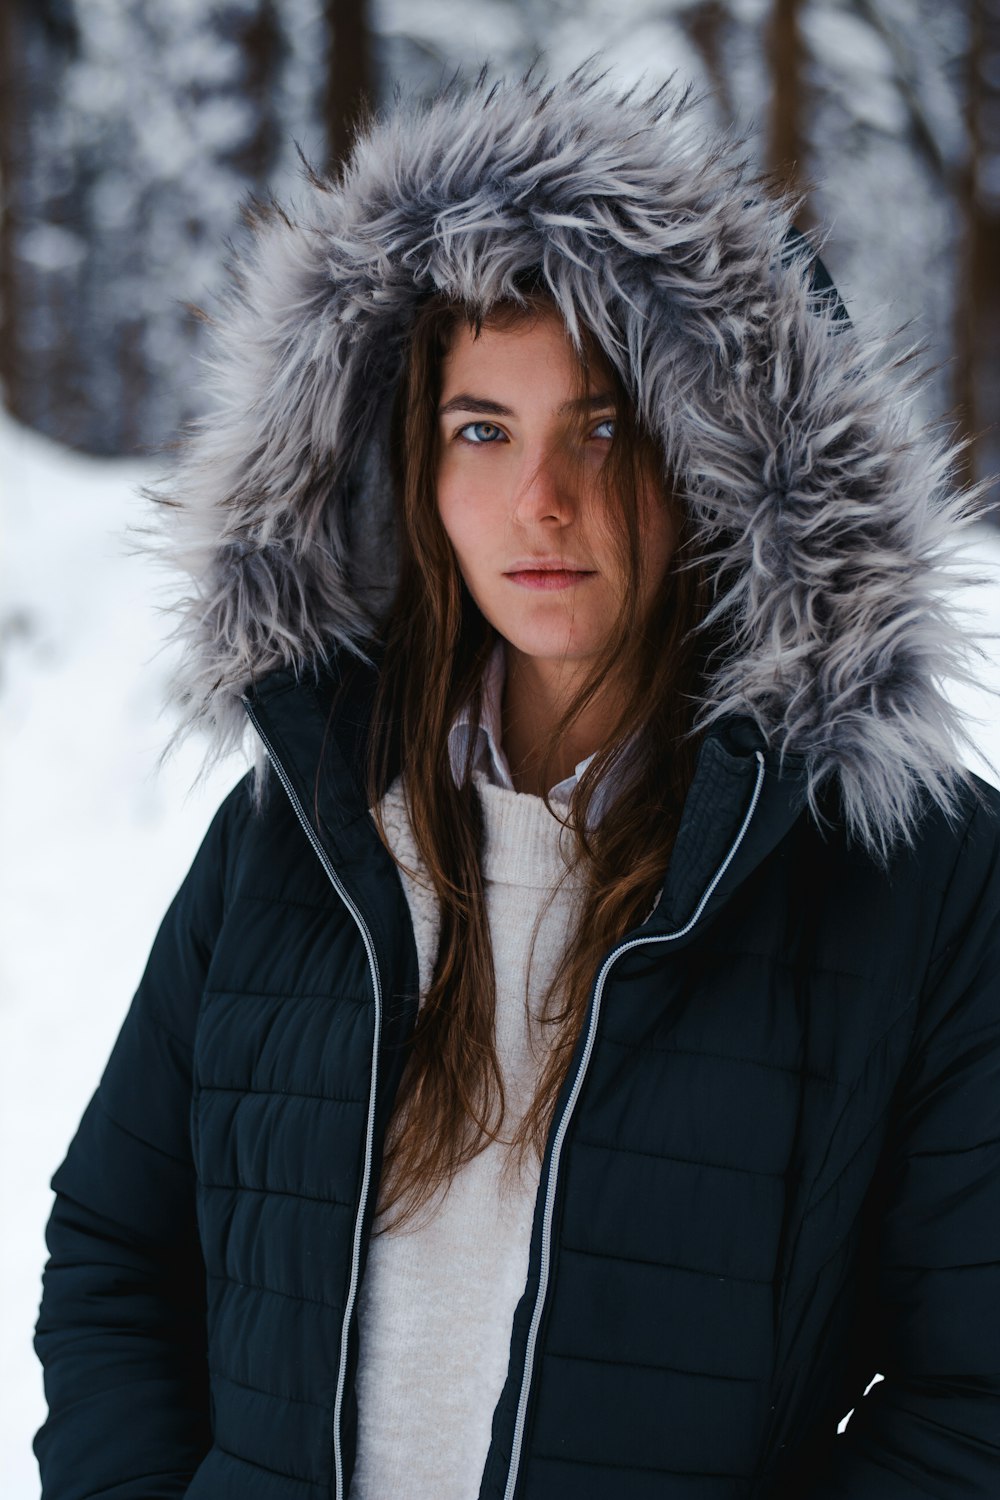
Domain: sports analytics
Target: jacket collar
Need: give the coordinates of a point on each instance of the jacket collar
(742, 801)
(741, 795)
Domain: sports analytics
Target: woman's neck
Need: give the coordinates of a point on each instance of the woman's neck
(536, 694)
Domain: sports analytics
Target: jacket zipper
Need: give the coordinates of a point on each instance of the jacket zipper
(352, 1290)
(563, 1126)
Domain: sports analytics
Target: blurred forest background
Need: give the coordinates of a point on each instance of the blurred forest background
(130, 133)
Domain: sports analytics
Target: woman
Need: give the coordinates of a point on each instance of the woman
(570, 1065)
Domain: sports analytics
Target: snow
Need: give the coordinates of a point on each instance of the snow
(95, 840)
(94, 843)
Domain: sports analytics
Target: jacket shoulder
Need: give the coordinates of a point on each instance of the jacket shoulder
(170, 989)
(983, 795)
(946, 835)
(973, 835)
(223, 839)
(966, 945)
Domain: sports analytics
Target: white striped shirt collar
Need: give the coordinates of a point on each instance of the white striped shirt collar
(488, 754)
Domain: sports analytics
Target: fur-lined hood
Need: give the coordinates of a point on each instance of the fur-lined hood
(831, 525)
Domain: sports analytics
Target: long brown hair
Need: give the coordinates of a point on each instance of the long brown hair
(436, 643)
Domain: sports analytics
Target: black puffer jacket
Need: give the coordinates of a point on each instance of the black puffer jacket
(775, 1165)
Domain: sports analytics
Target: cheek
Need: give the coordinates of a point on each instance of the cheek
(449, 508)
(464, 525)
(473, 494)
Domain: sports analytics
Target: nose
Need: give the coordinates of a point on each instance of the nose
(546, 491)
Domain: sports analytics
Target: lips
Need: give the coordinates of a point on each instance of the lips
(548, 575)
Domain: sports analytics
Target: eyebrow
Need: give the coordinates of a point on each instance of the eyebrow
(486, 408)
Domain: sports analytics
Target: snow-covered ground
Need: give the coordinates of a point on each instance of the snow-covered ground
(94, 842)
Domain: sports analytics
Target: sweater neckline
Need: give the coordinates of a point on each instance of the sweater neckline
(524, 843)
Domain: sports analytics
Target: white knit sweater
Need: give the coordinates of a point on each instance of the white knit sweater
(438, 1297)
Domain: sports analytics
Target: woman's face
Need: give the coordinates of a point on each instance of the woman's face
(518, 497)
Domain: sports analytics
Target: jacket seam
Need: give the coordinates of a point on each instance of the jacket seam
(245, 1187)
(638, 1364)
(870, 1457)
(665, 1265)
(931, 1421)
(186, 1044)
(994, 1140)
(159, 1475)
(273, 1291)
(687, 1161)
(228, 829)
(852, 1089)
(258, 1390)
(285, 995)
(753, 1062)
(972, 1265)
(594, 1463)
(962, 1036)
(326, 907)
(810, 1205)
(241, 1088)
(779, 961)
(805, 1290)
(935, 955)
(253, 1463)
(179, 1161)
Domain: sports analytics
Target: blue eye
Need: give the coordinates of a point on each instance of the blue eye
(492, 426)
(607, 422)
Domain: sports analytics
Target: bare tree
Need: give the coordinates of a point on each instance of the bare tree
(786, 149)
(978, 331)
(349, 76)
(133, 135)
(130, 133)
(39, 210)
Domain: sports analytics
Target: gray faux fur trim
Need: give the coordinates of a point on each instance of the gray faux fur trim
(832, 526)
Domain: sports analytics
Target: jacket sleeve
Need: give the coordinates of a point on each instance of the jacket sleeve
(931, 1427)
(121, 1330)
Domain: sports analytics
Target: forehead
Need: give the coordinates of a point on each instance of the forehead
(535, 352)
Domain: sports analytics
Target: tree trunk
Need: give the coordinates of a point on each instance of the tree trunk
(786, 147)
(40, 252)
(349, 75)
(978, 334)
(11, 106)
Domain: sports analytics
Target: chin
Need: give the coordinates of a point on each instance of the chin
(529, 632)
(554, 648)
